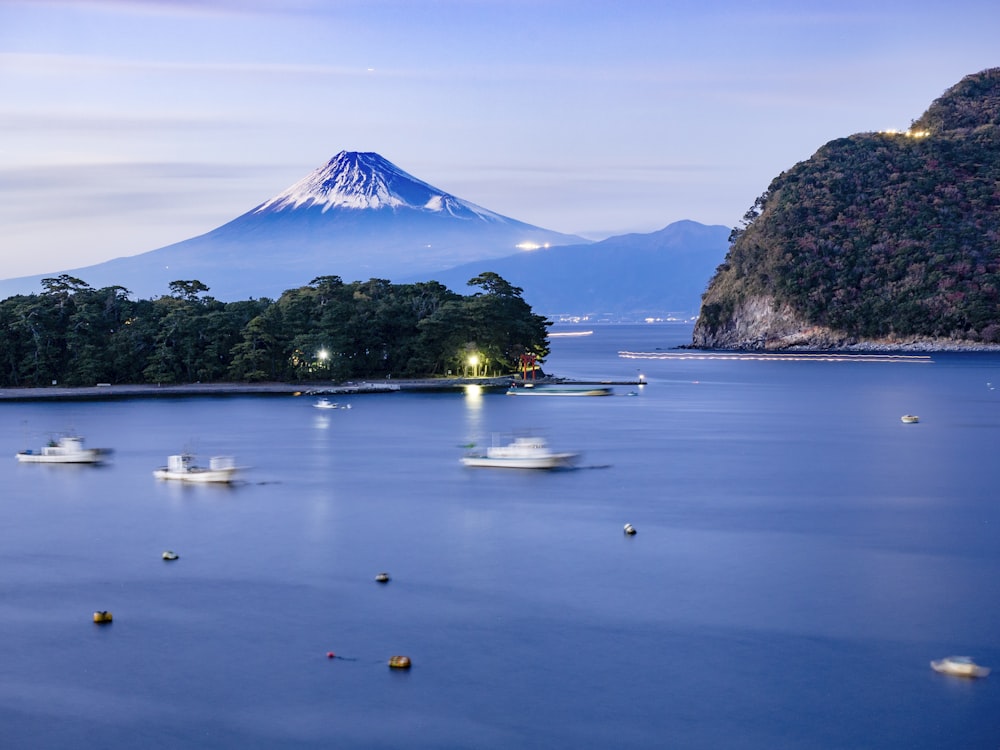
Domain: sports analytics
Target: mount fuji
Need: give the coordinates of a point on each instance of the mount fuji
(358, 217)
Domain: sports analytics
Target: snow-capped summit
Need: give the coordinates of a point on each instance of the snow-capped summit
(364, 180)
(358, 217)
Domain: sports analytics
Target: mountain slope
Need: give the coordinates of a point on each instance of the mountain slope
(357, 217)
(633, 275)
(879, 238)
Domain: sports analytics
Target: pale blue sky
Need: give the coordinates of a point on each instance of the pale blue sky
(127, 125)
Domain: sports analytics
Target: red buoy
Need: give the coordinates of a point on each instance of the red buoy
(330, 654)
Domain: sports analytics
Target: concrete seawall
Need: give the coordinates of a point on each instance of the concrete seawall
(105, 391)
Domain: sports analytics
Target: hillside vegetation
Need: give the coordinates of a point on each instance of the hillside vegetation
(73, 334)
(878, 237)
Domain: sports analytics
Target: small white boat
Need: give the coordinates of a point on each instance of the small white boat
(182, 468)
(523, 453)
(909, 419)
(325, 403)
(65, 450)
(959, 666)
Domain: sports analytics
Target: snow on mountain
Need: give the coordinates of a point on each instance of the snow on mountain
(364, 180)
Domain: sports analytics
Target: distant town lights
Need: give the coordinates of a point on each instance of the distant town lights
(530, 246)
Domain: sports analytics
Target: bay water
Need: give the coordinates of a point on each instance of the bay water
(801, 557)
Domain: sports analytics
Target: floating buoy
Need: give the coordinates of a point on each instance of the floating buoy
(400, 662)
(170, 555)
(382, 578)
(629, 529)
(102, 617)
(330, 654)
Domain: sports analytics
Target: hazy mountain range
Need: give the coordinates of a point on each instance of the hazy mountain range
(660, 274)
(359, 216)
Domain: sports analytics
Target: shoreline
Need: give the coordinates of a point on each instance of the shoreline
(358, 387)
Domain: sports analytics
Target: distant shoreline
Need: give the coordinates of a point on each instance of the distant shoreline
(356, 387)
(107, 391)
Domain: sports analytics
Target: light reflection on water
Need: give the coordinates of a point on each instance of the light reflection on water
(801, 556)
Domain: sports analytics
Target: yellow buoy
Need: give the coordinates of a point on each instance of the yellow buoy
(400, 662)
(102, 617)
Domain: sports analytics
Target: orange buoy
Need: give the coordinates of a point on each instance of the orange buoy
(400, 662)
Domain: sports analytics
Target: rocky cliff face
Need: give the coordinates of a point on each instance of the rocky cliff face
(761, 322)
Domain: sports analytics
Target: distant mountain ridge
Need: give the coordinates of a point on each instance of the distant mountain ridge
(886, 240)
(630, 276)
(358, 217)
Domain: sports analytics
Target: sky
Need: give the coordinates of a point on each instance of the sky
(127, 125)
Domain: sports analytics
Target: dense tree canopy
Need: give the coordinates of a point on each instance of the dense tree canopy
(73, 334)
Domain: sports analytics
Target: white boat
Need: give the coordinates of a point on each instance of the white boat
(909, 419)
(959, 666)
(65, 450)
(529, 390)
(325, 403)
(523, 453)
(181, 467)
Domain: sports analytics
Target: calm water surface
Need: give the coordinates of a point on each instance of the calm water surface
(801, 556)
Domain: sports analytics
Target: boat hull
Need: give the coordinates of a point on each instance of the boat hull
(559, 391)
(90, 456)
(198, 476)
(553, 461)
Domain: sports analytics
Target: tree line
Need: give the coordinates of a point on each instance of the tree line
(75, 335)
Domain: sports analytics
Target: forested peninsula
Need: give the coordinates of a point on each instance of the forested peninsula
(74, 335)
(879, 240)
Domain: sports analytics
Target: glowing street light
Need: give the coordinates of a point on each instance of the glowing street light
(474, 364)
(323, 355)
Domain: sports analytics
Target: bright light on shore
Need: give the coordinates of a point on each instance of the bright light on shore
(530, 246)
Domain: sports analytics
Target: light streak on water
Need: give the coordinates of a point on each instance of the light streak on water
(782, 357)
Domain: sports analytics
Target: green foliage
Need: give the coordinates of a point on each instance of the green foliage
(327, 330)
(883, 234)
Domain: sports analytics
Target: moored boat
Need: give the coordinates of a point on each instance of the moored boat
(909, 419)
(523, 453)
(325, 403)
(66, 450)
(221, 469)
(529, 390)
(959, 666)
